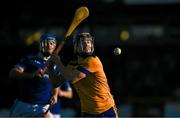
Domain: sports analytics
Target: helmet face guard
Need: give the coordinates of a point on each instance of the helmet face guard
(84, 44)
(47, 44)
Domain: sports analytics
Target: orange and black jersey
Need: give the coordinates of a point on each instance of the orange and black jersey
(93, 90)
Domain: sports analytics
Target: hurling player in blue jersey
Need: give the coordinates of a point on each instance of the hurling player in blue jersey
(36, 92)
(65, 90)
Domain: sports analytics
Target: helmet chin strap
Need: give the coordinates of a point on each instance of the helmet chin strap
(84, 54)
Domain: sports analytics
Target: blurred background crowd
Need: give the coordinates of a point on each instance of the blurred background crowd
(143, 78)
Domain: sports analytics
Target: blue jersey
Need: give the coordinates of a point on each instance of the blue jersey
(35, 90)
(56, 107)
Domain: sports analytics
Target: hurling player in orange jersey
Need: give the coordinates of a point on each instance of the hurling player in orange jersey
(86, 73)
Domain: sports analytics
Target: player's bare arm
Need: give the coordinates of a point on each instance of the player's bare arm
(54, 97)
(66, 94)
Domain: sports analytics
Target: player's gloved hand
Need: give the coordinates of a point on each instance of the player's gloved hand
(66, 39)
(69, 37)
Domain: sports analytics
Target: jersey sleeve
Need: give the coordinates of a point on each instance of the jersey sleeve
(89, 65)
(66, 86)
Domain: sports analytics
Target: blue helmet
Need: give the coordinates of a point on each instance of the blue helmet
(46, 47)
(47, 36)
